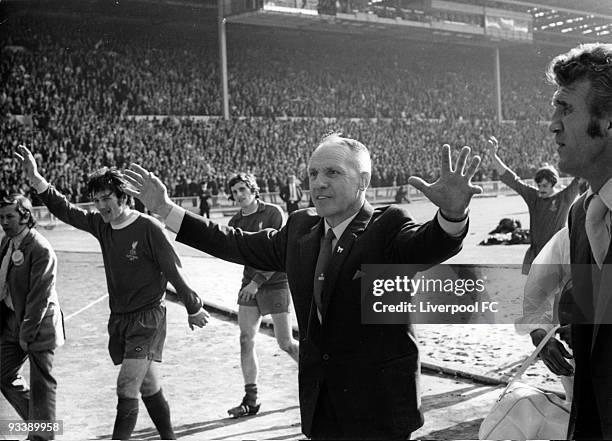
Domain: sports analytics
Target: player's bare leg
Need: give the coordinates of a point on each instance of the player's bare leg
(129, 381)
(283, 334)
(156, 404)
(249, 321)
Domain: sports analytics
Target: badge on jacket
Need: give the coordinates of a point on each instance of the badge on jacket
(17, 257)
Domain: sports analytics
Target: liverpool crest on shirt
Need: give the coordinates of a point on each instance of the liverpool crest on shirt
(132, 255)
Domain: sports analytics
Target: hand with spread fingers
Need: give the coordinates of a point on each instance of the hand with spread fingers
(147, 187)
(453, 190)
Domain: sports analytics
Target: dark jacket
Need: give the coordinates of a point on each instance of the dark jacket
(31, 283)
(591, 415)
(370, 371)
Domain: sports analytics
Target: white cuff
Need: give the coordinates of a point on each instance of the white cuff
(528, 328)
(175, 218)
(454, 229)
(40, 186)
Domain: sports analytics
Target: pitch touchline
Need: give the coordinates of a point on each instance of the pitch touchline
(86, 307)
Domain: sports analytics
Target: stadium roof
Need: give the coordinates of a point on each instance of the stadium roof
(603, 7)
(555, 22)
(590, 19)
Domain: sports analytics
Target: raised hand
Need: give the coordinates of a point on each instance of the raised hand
(147, 187)
(493, 145)
(493, 148)
(25, 157)
(453, 190)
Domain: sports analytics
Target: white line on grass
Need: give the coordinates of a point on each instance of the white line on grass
(86, 307)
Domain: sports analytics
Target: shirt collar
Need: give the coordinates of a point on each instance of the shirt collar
(605, 193)
(19, 238)
(132, 215)
(339, 229)
(260, 207)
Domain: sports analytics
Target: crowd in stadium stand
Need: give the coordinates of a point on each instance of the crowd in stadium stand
(75, 84)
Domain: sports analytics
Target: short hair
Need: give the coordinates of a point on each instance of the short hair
(362, 154)
(592, 62)
(547, 172)
(22, 205)
(108, 179)
(248, 179)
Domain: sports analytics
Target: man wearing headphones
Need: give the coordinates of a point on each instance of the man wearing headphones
(31, 324)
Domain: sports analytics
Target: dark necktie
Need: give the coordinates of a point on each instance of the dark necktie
(325, 254)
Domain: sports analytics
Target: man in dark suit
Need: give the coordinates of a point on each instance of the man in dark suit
(291, 193)
(355, 381)
(582, 125)
(31, 324)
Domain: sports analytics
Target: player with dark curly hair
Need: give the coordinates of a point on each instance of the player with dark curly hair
(139, 261)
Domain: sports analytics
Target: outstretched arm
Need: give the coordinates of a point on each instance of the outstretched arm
(453, 190)
(264, 250)
(56, 202)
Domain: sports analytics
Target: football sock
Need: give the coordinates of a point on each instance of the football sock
(159, 411)
(127, 414)
(251, 394)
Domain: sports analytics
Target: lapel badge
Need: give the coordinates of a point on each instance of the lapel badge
(321, 277)
(17, 257)
(339, 249)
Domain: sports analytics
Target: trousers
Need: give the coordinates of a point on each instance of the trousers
(37, 400)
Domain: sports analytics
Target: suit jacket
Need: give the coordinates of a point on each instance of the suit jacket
(370, 371)
(32, 288)
(591, 332)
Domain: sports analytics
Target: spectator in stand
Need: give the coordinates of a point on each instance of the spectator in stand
(402, 195)
(75, 87)
(291, 193)
(204, 197)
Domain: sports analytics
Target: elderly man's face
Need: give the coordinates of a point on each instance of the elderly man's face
(335, 182)
(578, 150)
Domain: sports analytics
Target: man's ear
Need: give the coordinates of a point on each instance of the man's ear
(364, 180)
(124, 200)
